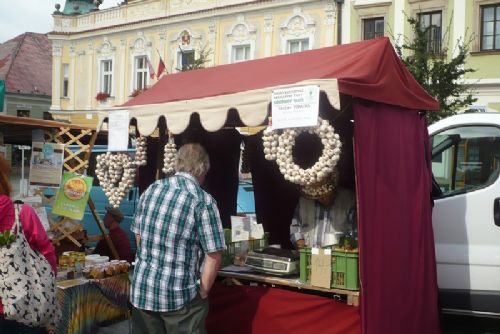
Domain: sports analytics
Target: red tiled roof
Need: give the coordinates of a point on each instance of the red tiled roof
(27, 64)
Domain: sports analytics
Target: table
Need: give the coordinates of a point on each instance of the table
(86, 304)
(247, 309)
(235, 274)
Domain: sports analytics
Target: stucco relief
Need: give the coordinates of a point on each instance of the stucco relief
(186, 39)
(296, 25)
(106, 49)
(72, 49)
(268, 23)
(140, 44)
(330, 14)
(66, 23)
(241, 31)
(212, 27)
(299, 25)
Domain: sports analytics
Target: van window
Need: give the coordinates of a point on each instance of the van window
(465, 158)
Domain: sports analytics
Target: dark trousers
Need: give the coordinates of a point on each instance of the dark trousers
(188, 320)
(13, 327)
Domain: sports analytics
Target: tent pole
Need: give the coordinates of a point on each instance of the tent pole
(161, 144)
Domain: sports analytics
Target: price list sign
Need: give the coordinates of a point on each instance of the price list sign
(295, 107)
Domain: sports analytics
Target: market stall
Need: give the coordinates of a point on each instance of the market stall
(85, 303)
(376, 108)
(22, 131)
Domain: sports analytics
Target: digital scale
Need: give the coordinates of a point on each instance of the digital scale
(274, 261)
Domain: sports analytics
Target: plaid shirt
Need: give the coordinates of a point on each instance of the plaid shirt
(178, 222)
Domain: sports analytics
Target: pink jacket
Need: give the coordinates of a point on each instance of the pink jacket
(32, 227)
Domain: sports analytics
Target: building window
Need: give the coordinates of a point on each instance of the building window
(141, 72)
(490, 27)
(23, 113)
(297, 45)
(65, 85)
(106, 76)
(185, 60)
(240, 53)
(373, 28)
(431, 24)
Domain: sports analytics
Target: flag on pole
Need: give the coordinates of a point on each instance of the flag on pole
(161, 68)
(151, 69)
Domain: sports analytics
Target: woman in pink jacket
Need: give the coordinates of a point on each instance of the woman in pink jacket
(35, 235)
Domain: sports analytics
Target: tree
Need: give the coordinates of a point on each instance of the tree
(196, 63)
(440, 76)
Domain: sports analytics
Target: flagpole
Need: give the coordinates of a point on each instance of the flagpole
(163, 68)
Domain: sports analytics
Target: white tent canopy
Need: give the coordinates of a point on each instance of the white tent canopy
(251, 106)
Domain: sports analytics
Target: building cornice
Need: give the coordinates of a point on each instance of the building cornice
(174, 18)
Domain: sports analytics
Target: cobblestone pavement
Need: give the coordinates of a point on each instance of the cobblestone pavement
(122, 327)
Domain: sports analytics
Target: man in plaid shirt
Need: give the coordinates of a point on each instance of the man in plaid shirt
(177, 226)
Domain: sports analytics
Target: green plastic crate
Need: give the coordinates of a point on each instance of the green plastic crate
(234, 247)
(345, 269)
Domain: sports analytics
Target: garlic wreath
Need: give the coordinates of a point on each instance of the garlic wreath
(279, 147)
(116, 174)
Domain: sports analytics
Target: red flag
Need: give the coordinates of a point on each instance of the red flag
(161, 68)
(151, 69)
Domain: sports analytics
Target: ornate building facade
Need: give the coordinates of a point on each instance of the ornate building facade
(109, 51)
(103, 57)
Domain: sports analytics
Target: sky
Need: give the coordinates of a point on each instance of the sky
(18, 17)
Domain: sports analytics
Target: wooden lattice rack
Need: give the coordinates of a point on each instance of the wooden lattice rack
(75, 161)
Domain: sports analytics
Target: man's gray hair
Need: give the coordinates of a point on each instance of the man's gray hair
(192, 159)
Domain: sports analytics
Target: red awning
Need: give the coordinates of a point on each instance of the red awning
(369, 69)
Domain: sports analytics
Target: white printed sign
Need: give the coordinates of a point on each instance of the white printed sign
(118, 130)
(46, 165)
(295, 107)
(240, 228)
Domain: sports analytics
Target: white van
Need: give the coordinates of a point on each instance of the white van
(466, 213)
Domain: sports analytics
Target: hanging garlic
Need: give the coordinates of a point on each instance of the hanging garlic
(270, 143)
(116, 174)
(169, 157)
(141, 158)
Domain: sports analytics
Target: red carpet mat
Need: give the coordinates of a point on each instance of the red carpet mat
(261, 310)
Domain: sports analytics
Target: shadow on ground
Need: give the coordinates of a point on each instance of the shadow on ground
(454, 324)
